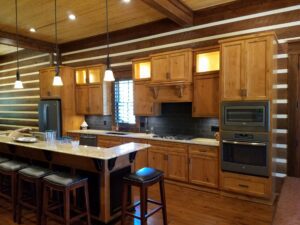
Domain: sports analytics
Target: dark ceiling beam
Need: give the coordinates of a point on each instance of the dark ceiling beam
(26, 42)
(174, 10)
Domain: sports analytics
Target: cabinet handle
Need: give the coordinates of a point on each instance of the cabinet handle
(168, 75)
(166, 157)
(151, 109)
(48, 93)
(243, 92)
(243, 186)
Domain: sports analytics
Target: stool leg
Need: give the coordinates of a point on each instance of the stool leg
(38, 199)
(143, 205)
(124, 203)
(45, 204)
(19, 206)
(146, 202)
(87, 203)
(163, 200)
(14, 185)
(67, 206)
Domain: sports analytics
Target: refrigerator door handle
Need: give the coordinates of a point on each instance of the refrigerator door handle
(45, 115)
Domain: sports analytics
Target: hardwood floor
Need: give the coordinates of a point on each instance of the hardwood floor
(188, 207)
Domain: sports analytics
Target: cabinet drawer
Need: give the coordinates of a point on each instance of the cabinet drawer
(250, 186)
(108, 141)
(74, 136)
(209, 151)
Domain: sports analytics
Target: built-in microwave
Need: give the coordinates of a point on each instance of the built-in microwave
(250, 116)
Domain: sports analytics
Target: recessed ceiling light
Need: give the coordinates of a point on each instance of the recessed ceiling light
(126, 1)
(32, 30)
(72, 17)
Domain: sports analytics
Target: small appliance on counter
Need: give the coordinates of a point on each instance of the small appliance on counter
(50, 116)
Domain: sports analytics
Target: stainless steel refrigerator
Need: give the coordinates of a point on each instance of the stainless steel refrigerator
(50, 116)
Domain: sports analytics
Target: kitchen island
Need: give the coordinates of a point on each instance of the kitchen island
(104, 167)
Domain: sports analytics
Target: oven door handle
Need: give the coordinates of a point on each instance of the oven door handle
(245, 143)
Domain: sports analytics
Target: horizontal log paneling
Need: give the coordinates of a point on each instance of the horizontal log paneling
(19, 108)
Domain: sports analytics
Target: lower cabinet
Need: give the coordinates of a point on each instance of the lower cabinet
(203, 165)
(108, 141)
(74, 136)
(141, 158)
(171, 158)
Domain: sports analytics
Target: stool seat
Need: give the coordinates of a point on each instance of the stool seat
(3, 159)
(63, 179)
(12, 166)
(143, 175)
(35, 172)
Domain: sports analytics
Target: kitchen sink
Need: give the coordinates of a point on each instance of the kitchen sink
(116, 133)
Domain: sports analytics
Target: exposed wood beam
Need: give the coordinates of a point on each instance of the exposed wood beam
(26, 42)
(174, 10)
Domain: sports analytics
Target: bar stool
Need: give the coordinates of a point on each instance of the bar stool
(143, 179)
(66, 185)
(10, 170)
(33, 200)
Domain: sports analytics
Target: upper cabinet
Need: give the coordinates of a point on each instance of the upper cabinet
(247, 66)
(47, 90)
(172, 66)
(93, 96)
(89, 75)
(206, 98)
(141, 69)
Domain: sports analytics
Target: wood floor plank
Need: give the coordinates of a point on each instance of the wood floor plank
(187, 207)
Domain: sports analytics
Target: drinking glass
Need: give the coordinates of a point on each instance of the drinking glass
(50, 137)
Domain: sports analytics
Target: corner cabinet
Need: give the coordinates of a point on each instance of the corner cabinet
(247, 66)
(93, 95)
(206, 99)
(66, 93)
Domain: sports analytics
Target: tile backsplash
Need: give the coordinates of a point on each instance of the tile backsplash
(175, 119)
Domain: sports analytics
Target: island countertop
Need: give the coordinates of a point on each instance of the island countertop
(84, 151)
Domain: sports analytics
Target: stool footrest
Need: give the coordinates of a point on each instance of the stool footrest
(147, 215)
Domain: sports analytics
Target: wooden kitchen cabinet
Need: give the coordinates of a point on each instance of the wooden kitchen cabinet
(141, 158)
(203, 165)
(109, 141)
(93, 97)
(247, 67)
(169, 157)
(143, 101)
(206, 99)
(47, 90)
(172, 66)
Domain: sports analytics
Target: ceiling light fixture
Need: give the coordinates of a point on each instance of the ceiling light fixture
(72, 17)
(108, 75)
(57, 81)
(18, 82)
(126, 1)
(32, 30)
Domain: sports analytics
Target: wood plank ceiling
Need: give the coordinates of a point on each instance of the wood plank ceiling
(90, 16)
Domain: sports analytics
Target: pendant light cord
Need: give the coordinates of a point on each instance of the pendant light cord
(17, 37)
(56, 43)
(107, 34)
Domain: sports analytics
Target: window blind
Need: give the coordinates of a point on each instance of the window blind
(124, 102)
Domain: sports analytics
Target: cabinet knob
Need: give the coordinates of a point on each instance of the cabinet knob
(48, 93)
(168, 76)
(243, 92)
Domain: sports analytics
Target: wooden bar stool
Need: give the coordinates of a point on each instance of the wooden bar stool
(9, 169)
(66, 185)
(143, 179)
(31, 199)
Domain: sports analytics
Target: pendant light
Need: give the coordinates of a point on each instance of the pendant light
(57, 81)
(18, 82)
(108, 75)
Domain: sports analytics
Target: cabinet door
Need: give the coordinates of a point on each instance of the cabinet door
(95, 75)
(108, 141)
(177, 166)
(232, 70)
(206, 96)
(95, 99)
(257, 68)
(143, 101)
(178, 66)
(159, 68)
(47, 90)
(82, 99)
(157, 159)
(141, 159)
(203, 170)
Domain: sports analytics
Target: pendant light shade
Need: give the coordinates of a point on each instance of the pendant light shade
(57, 81)
(18, 82)
(108, 75)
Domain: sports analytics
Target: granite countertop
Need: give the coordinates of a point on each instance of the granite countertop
(84, 151)
(199, 141)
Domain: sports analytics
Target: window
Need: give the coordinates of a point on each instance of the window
(124, 102)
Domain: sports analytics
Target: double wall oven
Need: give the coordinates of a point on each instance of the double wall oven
(245, 137)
